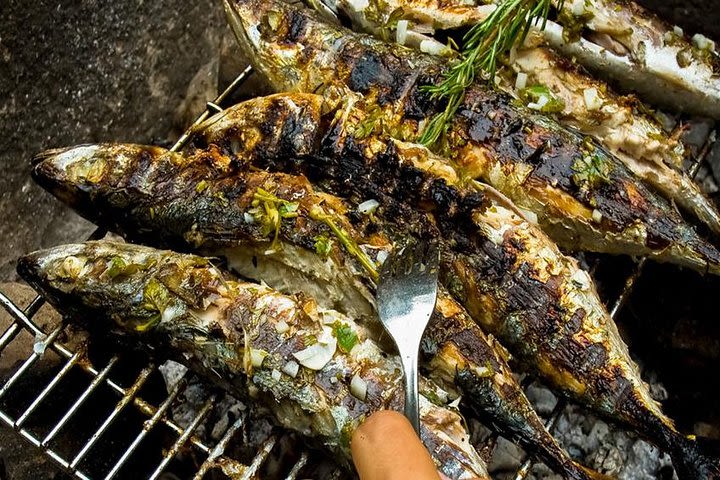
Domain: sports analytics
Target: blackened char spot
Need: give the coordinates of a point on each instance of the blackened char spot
(444, 197)
(575, 322)
(553, 165)
(420, 103)
(296, 26)
(368, 71)
(481, 127)
(595, 358)
(475, 348)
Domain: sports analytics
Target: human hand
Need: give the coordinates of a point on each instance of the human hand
(385, 447)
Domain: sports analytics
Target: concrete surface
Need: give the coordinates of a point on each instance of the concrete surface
(74, 72)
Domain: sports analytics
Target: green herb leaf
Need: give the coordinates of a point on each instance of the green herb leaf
(591, 170)
(201, 186)
(288, 209)
(117, 267)
(483, 44)
(155, 296)
(542, 96)
(323, 245)
(144, 326)
(346, 336)
(317, 213)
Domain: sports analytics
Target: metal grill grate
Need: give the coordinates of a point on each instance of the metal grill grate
(214, 455)
(155, 415)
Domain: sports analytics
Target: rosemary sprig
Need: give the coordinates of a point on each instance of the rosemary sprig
(483, 44)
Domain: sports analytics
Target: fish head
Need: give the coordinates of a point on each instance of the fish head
(124, 286)
(76, 174)
(289, 45)
(279, 125)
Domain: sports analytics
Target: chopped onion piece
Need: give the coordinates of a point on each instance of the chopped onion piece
(248, 218)
(401, 32)
(382, 256)
(276, 375)
(678, 31)
(597, 215)
(291, 368)
(358, 387)
(541, 102)
(592, 99)
(282, 326)
(358, 5)
(702, 42)
(521, 81)
(317, 355)
(578, 7)
(257, 356)
(368, 206)
(433, 47)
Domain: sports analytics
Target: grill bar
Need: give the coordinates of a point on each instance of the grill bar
(183, 438)
(302, 461)
(219, 449)
(79, 402)
(56, 379)
(148, 425)
(212, 106)
(9, 335)
(132, 391)
(37, 353)
(260, 458)
(23, 320)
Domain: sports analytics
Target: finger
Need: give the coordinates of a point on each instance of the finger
(385, 447)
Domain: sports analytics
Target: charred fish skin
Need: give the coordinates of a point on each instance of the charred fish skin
(557, 87)
(178, 221)
(544, 308)
(618, 40)
(253, 336)
(583, 197)
(507, 273)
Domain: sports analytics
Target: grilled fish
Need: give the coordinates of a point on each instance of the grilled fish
(316, 371)
(625, 42)
(558, 87)
(328, 258)
(583, 197)
(574, 345)
(619, 40)
(511, 278)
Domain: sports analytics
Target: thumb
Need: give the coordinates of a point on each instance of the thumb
(385, 447)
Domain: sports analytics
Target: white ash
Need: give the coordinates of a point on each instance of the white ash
(589, 440)
(226, 409)
(172, 373)
(542, 399)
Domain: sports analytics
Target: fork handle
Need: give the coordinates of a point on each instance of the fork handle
(410, 368)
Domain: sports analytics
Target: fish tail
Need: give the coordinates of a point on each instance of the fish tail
(696, 458)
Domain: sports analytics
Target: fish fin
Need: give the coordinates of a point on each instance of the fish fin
(697, 458)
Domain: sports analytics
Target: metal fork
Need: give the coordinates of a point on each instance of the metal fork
(406, 295)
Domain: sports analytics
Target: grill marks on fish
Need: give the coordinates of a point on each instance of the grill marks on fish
(212, 221)
(572, 203)
(216, 324)
(616, 121)
(512, 280)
